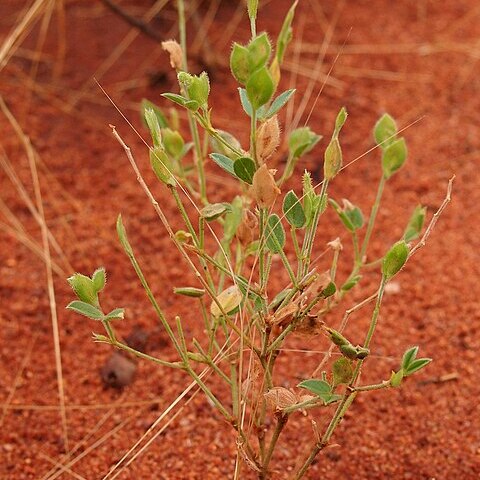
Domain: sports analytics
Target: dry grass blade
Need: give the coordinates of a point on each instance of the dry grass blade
(13, 388)
(31, 154)
(94, 446)
(10, 171)
(117, 53)
(9, 45)
(22, 237)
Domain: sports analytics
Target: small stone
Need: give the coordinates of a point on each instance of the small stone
(118, 371)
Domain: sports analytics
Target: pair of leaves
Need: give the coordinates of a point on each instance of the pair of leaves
(321, 388)
(301, 141)
(242, 168)
(263, 113)
(351, 216)
(410, 365)
(95, 313)
(87, 290)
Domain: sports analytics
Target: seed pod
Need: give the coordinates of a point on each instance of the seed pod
(268, 138)
(264, 188)
(189, 291)
(246, 230)
(172, 142)
(337, 338)
(395, 259)
(278, 398)
(333, 159)
(229, 300)
(173, 48)
(160, 164)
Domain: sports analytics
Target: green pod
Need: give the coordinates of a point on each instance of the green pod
(189, 291)
(395, 259)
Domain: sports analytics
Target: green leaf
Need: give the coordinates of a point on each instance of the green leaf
(333, 159)
(418, 364)
(227, 137)
(394, 157)
(239, 63)
(198, 88)
(279, 298)
(233, 219)
(252, 8)
(320, 388)
(285, 35)
(116, 314)
(396, 378)
(409, 356)
(153, 126)
(223, 162)
(161, 119)
(329, 290)
(122, 235)
(275, 240)
(342, 215)
(395, 259)
(259, 50)
(355, 216)
(385, 131)
(351, 283)
(85, 309)
(214, 210)
(161, 166)
(415, 224)
(279, 102)
(342, 371)
(247, 106)
(99, 278)
(175, 98)
(84, 288)
(192, 105)
(340, 121)
(293, 210)
(173, 143)
(260, 88)
(244, 168)
(301, 141)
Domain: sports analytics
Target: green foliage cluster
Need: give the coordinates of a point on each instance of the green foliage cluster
(235, 295)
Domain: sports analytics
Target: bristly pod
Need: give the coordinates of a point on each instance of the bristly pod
(415, 224)
(395, 259)
(394, 157)
(333, 153)
(385, 131)
(197, 87)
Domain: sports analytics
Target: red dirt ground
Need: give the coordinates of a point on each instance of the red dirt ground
(428, 70)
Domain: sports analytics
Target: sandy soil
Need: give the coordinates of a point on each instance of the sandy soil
(417, 60)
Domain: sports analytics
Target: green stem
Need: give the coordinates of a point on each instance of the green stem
(369, 388)
(373, 216)
(311, 232)
(199, 159)
(122, 346)
(253, 136)
(351, 392)
(281, 422)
